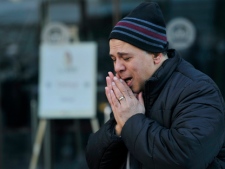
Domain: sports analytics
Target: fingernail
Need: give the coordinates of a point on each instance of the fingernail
(113, 83)
(115, 78)
(121, 80)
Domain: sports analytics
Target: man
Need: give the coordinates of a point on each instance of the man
(166, 114)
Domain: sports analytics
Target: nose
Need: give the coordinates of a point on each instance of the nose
(119, 66)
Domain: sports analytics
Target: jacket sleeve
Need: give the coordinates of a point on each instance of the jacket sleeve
(194, 138)
(104, 149)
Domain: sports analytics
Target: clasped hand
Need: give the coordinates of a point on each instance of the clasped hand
(123, 101)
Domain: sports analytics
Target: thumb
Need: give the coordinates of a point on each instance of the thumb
(140, 98)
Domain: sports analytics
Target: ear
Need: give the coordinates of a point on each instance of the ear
(158, 58)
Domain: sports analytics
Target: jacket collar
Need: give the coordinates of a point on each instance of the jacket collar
(155, 84)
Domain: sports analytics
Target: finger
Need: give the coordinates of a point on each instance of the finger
(108, 95)
(140, 98)
(117, 76)
(129, 91)
(123, 88)
(114, 100)
(111, 75)
(109, 82)
(119, 95)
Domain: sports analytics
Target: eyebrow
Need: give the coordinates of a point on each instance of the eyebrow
(120, 54)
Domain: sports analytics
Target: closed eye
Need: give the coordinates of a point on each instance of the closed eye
(113, 58)
(126, 58)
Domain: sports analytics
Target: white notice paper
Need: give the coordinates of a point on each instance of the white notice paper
(67, 82)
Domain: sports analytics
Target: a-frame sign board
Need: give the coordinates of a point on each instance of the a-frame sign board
(67, 86)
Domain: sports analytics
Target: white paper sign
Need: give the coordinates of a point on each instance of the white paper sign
(67, 83)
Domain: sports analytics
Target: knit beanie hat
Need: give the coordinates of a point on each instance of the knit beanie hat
(144, 27)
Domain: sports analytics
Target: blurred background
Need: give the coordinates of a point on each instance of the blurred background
(196, 28)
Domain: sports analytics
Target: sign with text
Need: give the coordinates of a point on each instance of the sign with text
(67, 81)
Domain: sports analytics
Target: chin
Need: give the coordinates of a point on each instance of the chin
(135, 91)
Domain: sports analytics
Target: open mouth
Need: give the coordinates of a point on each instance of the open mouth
(128, 81)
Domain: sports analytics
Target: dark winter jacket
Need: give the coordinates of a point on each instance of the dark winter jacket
(183, 126)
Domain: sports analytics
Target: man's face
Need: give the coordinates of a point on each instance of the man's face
(132, 64)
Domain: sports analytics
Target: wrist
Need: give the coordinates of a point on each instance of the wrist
(118, 130)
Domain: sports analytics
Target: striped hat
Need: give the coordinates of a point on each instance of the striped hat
(144, 27)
